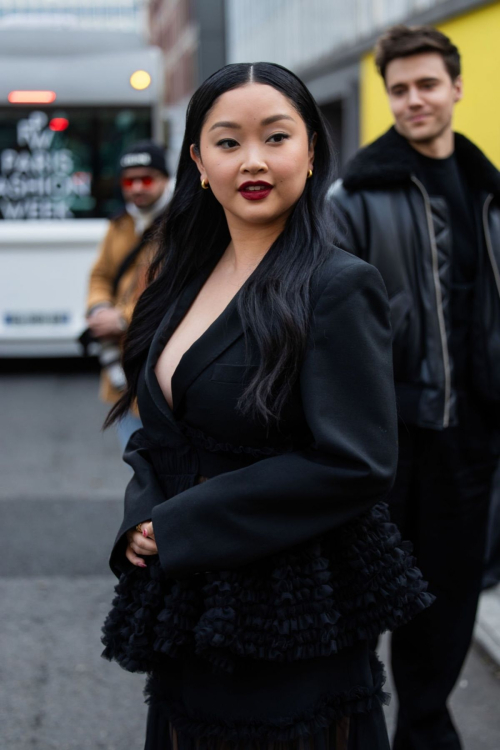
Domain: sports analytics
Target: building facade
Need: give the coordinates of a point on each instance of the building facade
(329, 43)
(192, 37)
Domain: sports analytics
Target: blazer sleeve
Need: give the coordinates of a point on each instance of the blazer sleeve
(142, 494)
(348, 398)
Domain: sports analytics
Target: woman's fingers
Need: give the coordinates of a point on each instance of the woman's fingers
(140, 544)
(147, 528)
(141, 549)
(133, 558)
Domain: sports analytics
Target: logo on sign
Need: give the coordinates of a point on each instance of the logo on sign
(37, 182)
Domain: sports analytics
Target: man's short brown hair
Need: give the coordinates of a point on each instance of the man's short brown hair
(403, 41)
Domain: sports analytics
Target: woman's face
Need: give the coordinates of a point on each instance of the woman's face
(255, 154)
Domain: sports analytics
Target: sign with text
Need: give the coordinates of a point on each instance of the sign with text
(38, 179)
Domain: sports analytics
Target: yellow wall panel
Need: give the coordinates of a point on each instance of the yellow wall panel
(477, 36)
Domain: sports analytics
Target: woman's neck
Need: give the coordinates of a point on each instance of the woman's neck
(249, 244)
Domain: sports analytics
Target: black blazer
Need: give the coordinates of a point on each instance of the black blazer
(285, 552)
(332, 456)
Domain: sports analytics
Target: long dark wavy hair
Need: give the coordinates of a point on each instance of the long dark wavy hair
(274, 303)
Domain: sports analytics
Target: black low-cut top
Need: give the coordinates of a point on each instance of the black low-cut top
(280, 568)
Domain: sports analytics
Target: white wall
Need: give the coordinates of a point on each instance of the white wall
(298, 33)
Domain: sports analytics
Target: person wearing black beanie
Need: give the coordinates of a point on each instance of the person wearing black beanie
(118, 276)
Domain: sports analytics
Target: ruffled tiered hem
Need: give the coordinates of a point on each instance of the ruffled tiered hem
(308, 602)
(302, 727)
(212, 730)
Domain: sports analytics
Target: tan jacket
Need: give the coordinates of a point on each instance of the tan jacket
(119, 241)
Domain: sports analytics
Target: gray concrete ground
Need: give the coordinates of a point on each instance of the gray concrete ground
(61, 489)
(55, 689)
(487, 633)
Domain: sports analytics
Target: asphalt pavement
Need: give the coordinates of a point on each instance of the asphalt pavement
(61, 489)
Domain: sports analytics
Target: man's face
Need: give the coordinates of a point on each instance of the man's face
(421, 95)
(142, 186)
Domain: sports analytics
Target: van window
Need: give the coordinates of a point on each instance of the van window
(62, 163)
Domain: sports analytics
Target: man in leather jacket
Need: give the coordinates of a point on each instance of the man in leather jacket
(422, 203)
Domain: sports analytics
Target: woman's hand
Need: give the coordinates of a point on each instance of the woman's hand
(141, 543)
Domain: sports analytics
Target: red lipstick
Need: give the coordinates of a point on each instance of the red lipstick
(255, 191)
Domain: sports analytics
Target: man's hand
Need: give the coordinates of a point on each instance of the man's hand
(106, 321)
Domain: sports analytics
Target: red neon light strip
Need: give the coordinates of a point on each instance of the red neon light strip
(32, 97)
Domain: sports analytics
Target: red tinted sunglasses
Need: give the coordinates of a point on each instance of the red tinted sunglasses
(146, 181)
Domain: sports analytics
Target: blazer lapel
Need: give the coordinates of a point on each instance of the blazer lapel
(169, 323)
(211, 344)
(216, 339)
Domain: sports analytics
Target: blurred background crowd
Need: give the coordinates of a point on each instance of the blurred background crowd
(82, 82)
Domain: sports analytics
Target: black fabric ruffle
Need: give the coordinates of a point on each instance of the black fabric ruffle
(212, 731)
(129, 630)
(308, 602)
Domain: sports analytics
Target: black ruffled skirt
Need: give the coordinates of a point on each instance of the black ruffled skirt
(273, 652)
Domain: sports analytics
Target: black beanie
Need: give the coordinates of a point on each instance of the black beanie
(144, 154)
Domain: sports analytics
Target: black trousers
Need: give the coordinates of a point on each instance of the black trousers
(440, 502)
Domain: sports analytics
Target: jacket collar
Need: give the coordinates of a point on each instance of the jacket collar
(390, 160)
(144, 218)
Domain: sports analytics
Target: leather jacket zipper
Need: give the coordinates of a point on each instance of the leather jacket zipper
(439, 303)
(489, 245)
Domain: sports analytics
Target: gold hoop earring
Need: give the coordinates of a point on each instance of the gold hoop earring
(309, 174)
(204, 184)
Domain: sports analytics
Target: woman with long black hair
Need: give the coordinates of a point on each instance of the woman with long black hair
(255, 558)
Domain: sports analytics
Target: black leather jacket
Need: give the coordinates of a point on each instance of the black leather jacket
(384, 215)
